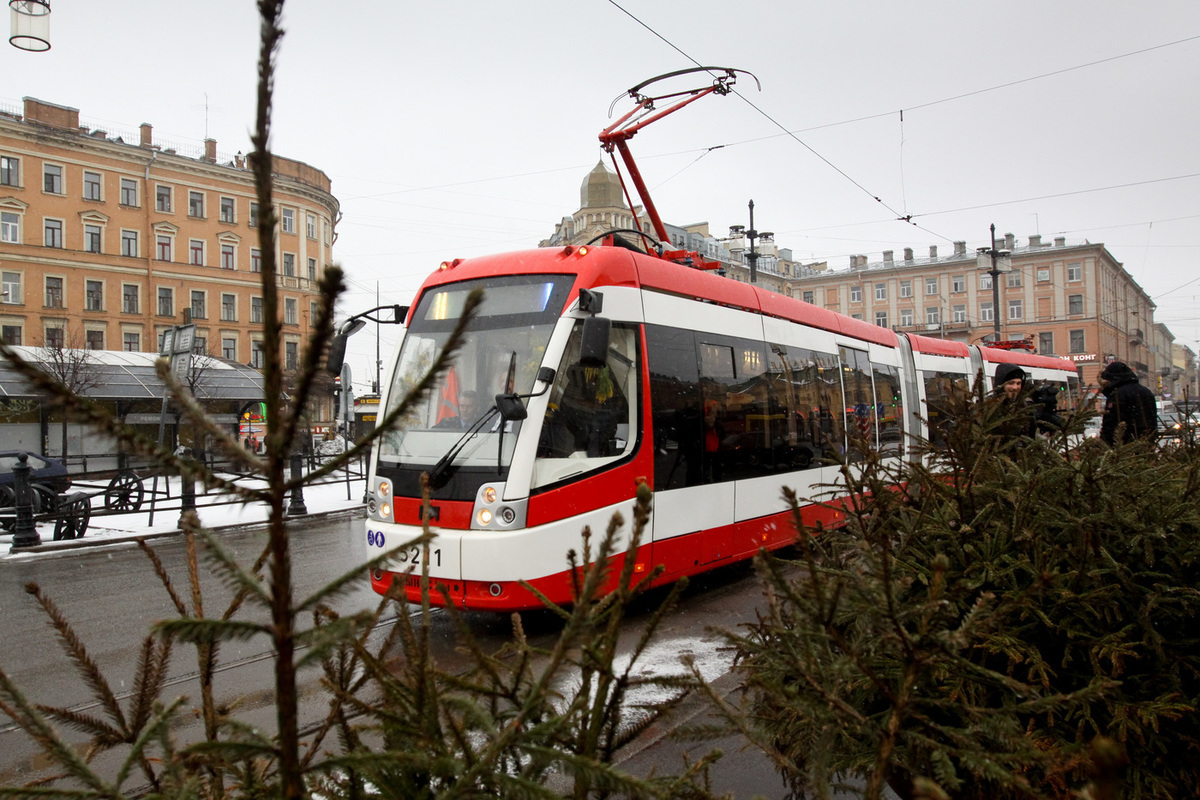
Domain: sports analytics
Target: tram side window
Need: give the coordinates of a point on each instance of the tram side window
(809, 390)
(675, 400)
(889, 404)
(940, 389)
(860, 402)
(591, 417)
(743, 415)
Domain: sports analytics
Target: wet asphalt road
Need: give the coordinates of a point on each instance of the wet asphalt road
(112, 596)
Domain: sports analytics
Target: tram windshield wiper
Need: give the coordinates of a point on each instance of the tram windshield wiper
(445, 468)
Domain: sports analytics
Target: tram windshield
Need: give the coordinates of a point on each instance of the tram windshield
(504, 347)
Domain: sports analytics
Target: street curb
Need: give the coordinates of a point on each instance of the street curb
(72, 544)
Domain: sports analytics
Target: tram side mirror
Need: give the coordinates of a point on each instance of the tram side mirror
(510, 407)
(593, 346)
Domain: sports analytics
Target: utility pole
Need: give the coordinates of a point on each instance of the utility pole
(752, 254)
(378, 360)
(984, 255)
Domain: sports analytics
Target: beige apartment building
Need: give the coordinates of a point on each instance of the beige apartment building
(1072, 300)
(109, 239)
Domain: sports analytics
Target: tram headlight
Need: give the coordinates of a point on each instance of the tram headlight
(489, 495)
(384, 489)
(484, 517)
(385, 510)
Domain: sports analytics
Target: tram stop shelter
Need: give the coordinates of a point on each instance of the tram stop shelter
(126, 383)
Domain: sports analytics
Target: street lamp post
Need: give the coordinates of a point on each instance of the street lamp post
(751, 234)
(994, 258)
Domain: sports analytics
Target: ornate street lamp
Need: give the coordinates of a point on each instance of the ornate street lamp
(30, 28)
(1000, 263)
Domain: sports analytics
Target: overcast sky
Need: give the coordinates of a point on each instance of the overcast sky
(455, 128)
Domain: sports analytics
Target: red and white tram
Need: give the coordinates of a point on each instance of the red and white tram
(634, 369)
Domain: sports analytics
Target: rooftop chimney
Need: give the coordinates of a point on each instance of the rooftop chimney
(1010, 242)
(887, 256)
(210, 150)
(908, 254)
(933, 251)
(960, 248)
(147, 134)
(1060, 241)
(51, 115)
(1035, 240)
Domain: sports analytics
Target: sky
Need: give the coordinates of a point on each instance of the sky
(466, 127)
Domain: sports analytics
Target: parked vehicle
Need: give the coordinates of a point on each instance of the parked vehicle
(47, 475)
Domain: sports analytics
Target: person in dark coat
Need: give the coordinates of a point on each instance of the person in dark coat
(1128, 403)
(1008, 384)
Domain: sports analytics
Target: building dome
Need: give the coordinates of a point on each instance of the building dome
(601, 189)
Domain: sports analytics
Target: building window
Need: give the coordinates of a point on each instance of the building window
(162, 198)
(255, 260)
(91, 238)
(229, 349)
(54, 233)
(10, 171)
(1075, 272)
(906, 317)
(985, 281)
(1014, 279)
(312, 226)
(1015, 310)
(228, 308)
(10, 228)
(93, 296)
(312, 269)
(253, 215)
(1074, 304)
(256, 309)
(196, 204)
(129, 194)
(906, 288)
(166, 301)
(54, 292)
(985, 312)
(10, 284)
(855, 294)
(52, 179)
(931, 287)
(11, 335)
(129, 298)
(807, 296)
(131, 342)
(129, 243)
(289, 264)
(91, 185)
(196, 252)
(933, 315)
(198, 310)
(958, 283)
(257, 355)
(228, 257)
(313, 308)
(958, 314)
(227, 209)
(1077, 342)
(1046, 343)
(881, 292)
(291, 314)
(856, 315)
(55, 338)
(94, 339)
(287, 220)
(881, 319)
(163, 244)
(291, 355)
(1043, 275)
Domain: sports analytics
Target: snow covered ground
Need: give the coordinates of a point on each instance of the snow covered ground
(216, 510)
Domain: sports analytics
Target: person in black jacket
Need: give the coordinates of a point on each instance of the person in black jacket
(1129, 404)
(1008, 386)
